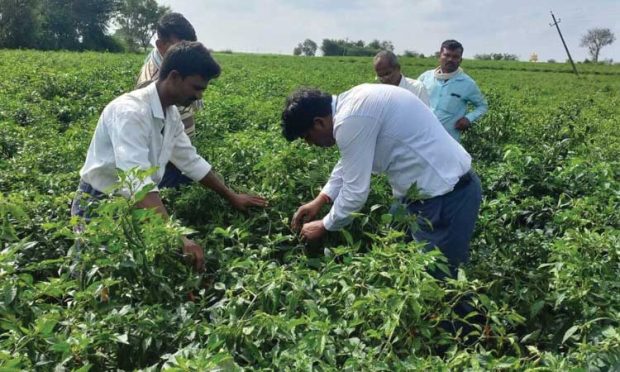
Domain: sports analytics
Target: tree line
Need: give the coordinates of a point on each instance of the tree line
(339, 47)
(594, 40)
(78, 24)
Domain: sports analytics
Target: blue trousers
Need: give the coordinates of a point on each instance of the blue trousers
(173, 178)
(447, 221)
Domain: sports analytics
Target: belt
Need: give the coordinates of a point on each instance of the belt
(86, 187)
(463, 181)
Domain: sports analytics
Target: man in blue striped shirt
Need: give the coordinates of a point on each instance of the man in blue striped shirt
(451, 91)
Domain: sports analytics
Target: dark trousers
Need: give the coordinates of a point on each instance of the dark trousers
(447, 221)
(173, 178)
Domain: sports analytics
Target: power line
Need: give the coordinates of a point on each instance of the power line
(555, 23)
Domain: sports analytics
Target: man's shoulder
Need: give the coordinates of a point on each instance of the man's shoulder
(463, 76)
(134, 101)
(149, 71)
(412, 81)
(427, 73)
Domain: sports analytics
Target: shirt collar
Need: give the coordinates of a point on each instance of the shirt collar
(154, 101)
(334, 104)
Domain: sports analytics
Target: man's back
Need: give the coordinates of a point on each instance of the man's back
(409, 143)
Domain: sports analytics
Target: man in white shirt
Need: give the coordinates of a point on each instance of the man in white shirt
(387, 68)
(171, 28)
(384, 129)
(143, 129)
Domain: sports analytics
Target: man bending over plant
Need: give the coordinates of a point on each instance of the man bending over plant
(143, 129)
(384, 129)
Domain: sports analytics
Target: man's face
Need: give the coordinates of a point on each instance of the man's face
(189, 88)
(386, 73)
(165, 44)
(321, 134)
(449, 60)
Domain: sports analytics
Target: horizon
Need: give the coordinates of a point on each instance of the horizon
(255, 26)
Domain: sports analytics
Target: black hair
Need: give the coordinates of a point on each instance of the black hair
(175, 25)
(189, 58)
(300, 109)
(451, 45)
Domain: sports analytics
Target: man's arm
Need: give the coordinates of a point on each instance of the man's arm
(185, 157)
(191, 250)
(129, 136)
(478, 101)
(356, 137)
(238, 201)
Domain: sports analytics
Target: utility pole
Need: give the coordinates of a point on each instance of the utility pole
(555, 23)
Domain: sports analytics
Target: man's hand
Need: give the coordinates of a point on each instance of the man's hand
(242, 202)
(313, 231)
(308, 212)
(462, 124)
(215, 182)
(193, 254)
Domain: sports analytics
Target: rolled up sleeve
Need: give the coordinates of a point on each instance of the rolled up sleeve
(185, 157)
(479, 102)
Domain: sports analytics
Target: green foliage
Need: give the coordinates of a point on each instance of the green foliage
(333, 47)
(58, 24)
(138, 22)
(541, 288)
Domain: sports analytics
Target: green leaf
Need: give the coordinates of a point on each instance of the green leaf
(536, 307)
(569, 332)
(61, 347)
(124, 338)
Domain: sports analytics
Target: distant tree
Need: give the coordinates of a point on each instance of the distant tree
(387, 45)
(510, 57)
(59, 30)
(138, 21)
(497, 57)
(92, 18)
(308, 47)
(18, 23)
(331, 47)
(483, 57)
(297, 50)
(413, 53)
(375, 44)
(551, 60)
(77, 24)
(595, 39)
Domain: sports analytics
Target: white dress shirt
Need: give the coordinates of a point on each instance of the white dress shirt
(381, 128)
(133, 131)
(416, 87)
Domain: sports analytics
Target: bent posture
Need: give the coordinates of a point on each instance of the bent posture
(384, 129)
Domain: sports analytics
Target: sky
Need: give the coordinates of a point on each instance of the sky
(520, 27)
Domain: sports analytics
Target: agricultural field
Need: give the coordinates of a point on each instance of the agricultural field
(545, 256)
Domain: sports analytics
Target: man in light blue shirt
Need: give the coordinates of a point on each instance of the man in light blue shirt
(451, 91)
